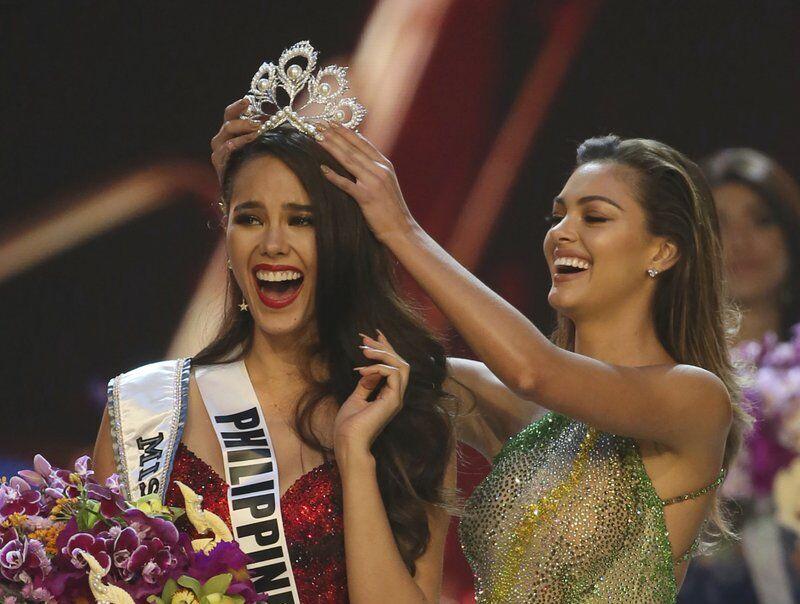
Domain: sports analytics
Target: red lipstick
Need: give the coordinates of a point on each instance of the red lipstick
(272, 299)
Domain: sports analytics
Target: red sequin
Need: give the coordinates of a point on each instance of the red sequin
(312, 521)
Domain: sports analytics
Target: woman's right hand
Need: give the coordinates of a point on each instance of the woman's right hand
(233, 134)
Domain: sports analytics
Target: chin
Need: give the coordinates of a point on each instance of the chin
(270, 330)
(563, 303)
(281, 323)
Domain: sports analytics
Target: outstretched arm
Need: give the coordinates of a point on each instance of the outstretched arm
(671, 405)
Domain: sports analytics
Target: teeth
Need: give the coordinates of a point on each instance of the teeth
(277, 275)
(575, 262)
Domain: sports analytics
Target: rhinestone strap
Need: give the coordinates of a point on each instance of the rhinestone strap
(698, 493)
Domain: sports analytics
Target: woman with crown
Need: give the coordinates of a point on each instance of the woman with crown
(607, 496)
(329, 460)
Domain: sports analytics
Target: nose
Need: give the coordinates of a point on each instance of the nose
(275, 241)
(564, 232)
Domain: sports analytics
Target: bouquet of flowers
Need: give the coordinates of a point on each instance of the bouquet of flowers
(771, 372)
(65, 538)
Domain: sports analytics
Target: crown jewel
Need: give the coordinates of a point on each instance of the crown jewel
(325, 92)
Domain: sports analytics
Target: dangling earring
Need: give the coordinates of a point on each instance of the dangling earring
(243, 306)
(652, 272)
(230, 266)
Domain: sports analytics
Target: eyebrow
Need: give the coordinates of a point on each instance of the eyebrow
(252, 204)
(587, 199)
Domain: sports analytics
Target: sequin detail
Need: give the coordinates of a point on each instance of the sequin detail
(312, 519)
(568, 515)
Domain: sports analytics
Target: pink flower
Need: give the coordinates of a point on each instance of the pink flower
(37, 593)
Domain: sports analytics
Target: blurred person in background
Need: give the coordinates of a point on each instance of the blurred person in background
(758, 203)
(759, 211)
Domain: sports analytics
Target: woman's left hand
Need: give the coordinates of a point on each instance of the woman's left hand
(359, 422)
(376, 189)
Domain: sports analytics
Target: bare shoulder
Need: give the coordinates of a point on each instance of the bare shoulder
(701, 385)
(701, 397)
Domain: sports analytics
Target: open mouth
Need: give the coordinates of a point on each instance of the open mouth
(278, 286)
(570, 266)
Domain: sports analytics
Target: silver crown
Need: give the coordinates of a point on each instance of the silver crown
(325, 90)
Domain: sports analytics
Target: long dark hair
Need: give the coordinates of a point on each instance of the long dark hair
(356, 291)
(693, 318)
(781, 195)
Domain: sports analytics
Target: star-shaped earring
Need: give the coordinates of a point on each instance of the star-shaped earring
(243, 306)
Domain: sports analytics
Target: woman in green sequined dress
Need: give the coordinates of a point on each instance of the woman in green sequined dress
(605, 497)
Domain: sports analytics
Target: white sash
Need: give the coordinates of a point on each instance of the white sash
(251, 470)
(147, 410)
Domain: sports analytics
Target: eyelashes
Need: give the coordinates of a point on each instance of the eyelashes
(300, 220)
(554, 219)
(246, 219)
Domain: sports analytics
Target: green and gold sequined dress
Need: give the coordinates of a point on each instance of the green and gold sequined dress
(569, 515)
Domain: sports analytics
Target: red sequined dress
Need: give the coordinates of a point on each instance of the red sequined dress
(312, 520)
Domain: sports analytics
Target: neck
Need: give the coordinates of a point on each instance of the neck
(758, 317)
(277, 359)
(618, 340)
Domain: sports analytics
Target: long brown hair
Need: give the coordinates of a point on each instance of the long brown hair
(694, 320)
(356, 292)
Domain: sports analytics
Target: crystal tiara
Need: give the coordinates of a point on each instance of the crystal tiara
(325, 92)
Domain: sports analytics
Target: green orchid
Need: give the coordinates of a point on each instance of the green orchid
(152, 506)
(210, 592)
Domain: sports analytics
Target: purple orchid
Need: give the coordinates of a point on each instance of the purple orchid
(112, 504)
(23, 560)
(19, 499)
(86, 542)
(54, 482)
(151, 527)
(125, 543)
(226, 557)
(113, 484)
(82, 468)
(140, 552)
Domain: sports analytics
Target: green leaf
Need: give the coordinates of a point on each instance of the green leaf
(218, 584)
(192, 584)
(156, 600)
(170, 587)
